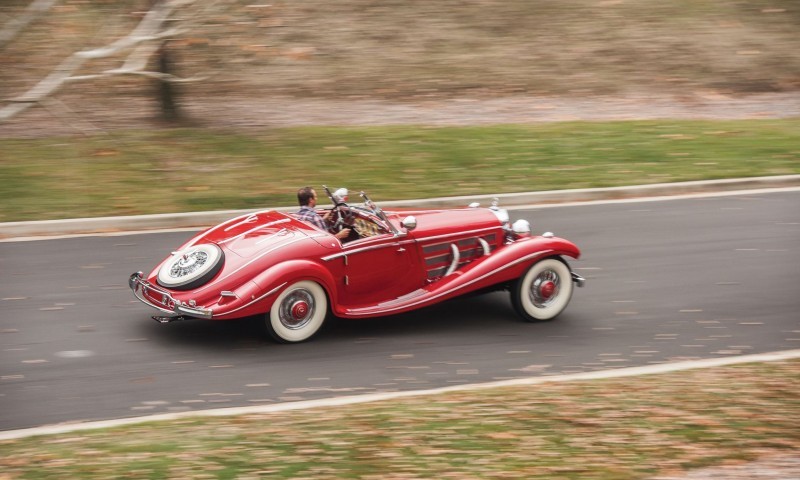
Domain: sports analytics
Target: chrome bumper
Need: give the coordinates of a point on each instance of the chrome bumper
(579, 281)
(169, 304)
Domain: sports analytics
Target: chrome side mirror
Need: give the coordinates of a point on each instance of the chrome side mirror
(410, 222)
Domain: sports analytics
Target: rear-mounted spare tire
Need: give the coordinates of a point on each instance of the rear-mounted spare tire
(192, 267)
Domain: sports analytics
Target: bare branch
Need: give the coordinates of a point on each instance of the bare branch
(52, 82)
(148, 29)
(12, 28)
(142, 73)
(152, 28)
(139, 58)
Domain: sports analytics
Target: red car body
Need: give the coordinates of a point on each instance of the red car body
(397, 262)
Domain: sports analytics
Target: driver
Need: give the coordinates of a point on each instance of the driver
(307, 198)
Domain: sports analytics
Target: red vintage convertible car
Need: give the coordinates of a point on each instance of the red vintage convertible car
(293, 274)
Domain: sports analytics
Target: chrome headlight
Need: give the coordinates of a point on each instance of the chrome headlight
(501, 214)
(521, 228)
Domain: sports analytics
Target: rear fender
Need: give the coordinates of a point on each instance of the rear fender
(256, 296)
(294, 271)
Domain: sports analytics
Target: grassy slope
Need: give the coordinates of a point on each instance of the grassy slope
(614, 429)
(139, 172)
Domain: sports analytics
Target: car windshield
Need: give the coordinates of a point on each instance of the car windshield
(339, 199)
(376, 210)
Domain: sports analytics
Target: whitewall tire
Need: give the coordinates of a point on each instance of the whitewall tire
(298, 313)
(543, 291)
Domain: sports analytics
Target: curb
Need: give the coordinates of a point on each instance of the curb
(378, 397)
(101, 225)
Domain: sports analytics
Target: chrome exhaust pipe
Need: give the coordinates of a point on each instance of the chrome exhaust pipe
(163, 319)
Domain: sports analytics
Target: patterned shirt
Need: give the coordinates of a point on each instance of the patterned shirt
(309, 215)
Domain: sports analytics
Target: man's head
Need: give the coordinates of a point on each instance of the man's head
(306, 196)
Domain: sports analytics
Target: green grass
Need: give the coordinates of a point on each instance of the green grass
(181, 170)
(614, 429)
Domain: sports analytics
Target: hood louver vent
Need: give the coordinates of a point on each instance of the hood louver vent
(439, 256)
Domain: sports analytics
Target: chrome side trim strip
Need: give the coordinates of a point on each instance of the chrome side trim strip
(366, 249)
(255, 300)
(460, 234)
(250, 219)
(441, 294)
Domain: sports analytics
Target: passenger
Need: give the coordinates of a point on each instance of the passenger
(307, 198)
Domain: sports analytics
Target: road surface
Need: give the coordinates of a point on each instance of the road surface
(667, 280)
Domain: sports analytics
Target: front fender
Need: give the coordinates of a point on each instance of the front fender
(505, 264)
(560, 246)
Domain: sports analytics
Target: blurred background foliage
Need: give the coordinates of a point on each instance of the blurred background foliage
(97, 147)
(406, 49)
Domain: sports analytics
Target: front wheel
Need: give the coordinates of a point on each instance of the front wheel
(298, 313)
(543, 291)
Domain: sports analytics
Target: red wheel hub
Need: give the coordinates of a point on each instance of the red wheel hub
(300, 310)
(547, 289)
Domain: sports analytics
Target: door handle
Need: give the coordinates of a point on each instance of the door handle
(401, 250)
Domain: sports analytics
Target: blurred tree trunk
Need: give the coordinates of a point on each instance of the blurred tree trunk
(166, 93)
(166, 90)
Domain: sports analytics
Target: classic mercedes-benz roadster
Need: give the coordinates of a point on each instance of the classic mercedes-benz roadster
(293, 274)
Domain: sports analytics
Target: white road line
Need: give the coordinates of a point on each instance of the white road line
(378, 397)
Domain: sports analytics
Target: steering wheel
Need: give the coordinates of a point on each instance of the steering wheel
(341, 215)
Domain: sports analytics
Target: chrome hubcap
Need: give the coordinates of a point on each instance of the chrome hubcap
(547, 289)
(544, 288)
(188, 264)
(297, 309)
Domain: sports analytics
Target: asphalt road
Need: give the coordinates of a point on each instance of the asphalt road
(667, 280)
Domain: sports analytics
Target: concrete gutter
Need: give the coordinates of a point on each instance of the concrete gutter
(204, 219)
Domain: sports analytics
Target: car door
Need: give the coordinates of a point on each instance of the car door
(380, 268)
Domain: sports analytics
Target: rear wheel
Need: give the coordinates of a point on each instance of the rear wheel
(543, 291)
(298, 313)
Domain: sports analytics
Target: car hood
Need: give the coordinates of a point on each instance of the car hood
(432, 223)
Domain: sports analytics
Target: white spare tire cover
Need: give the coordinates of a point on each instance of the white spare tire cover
(191, 268)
